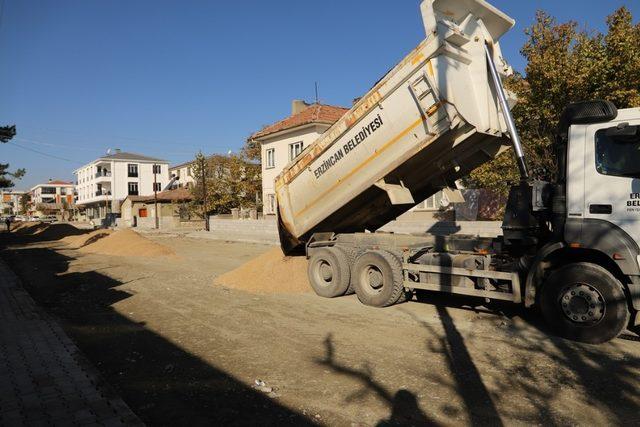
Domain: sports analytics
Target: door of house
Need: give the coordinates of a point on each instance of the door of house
(143, 212)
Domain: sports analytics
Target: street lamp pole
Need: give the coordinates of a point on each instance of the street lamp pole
(203, 172)
(155, 195)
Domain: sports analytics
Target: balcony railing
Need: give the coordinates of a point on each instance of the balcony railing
(103, 174)
(103, 193)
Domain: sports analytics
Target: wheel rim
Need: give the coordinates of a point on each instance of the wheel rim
(581, 303)
(323, 273)
(372, 278)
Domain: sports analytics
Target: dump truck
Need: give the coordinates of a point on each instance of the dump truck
(569, 246)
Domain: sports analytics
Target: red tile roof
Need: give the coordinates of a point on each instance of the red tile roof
(316, 113)
(58, 182)
(177, 195)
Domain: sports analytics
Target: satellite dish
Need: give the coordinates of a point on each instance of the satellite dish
(108, 151)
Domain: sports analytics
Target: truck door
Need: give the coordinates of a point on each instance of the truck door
(612, 174)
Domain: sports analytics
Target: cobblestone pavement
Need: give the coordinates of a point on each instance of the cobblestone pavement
(44, 379)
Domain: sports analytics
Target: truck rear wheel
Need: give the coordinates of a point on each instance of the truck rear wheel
(377, 278)
(328, 272)
(585, 302)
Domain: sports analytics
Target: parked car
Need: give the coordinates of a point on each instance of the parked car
(48, 218)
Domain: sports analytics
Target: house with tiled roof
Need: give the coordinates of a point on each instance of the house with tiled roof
(284, 140)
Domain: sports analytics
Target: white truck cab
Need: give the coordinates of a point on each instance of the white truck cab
(603, 181)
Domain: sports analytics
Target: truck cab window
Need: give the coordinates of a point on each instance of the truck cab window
(618, 151)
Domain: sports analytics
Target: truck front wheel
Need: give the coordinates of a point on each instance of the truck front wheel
(377, 278)
(328, 272)
(584, 302)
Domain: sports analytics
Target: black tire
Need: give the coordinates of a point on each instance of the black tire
(377, 278)
(584, 302)
(329, 273)
(350, 255)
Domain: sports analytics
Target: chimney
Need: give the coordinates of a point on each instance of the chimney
(117, 150)
(298, 106)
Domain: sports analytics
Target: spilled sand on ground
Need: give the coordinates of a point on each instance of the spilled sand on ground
(127, 243)
(269, 273)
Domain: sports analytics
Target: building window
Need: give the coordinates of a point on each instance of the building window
(48, 190)
(295, 149)
(271, 203)
(156, 186)
(270, 161)
(157, 169)
(133, 188)
(133, 171)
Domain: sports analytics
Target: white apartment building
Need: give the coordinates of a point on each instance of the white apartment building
(283, 141)
(54, 191)
(11, 202)
(183, 174)
(50, 198)
(103, 184)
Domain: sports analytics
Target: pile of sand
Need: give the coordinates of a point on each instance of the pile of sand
(87, 238)
(126, 243)
(27, 227)
(43, 231)
(270, 273)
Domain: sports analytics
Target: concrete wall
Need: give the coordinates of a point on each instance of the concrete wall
(246, 230)
(167, 223)
(266, 231)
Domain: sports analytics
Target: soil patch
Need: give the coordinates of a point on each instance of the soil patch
(125, 243)
(269, 273)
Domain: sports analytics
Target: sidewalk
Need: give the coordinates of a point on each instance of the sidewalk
(44, 379)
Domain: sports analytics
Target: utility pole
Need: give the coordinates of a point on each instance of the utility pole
(203, 173)
(155, 196)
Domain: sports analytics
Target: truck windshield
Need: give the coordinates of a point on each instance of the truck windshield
(618, 155)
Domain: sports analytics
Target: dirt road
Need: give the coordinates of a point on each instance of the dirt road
(183, 351)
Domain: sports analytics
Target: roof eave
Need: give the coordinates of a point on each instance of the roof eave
(281, 132)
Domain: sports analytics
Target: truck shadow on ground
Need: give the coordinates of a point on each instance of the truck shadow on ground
(162, 383)
(529, 384)
(601, 376)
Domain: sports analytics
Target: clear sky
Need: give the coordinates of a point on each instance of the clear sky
(167, 78)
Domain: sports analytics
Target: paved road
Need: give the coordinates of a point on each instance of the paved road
(44, 379)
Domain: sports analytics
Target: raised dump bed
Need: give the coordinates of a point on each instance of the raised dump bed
(429, 122)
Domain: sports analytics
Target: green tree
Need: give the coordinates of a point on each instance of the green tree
(231, 181)
(25, 199)
(6, 177)
(565, 64)
(252, 151)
